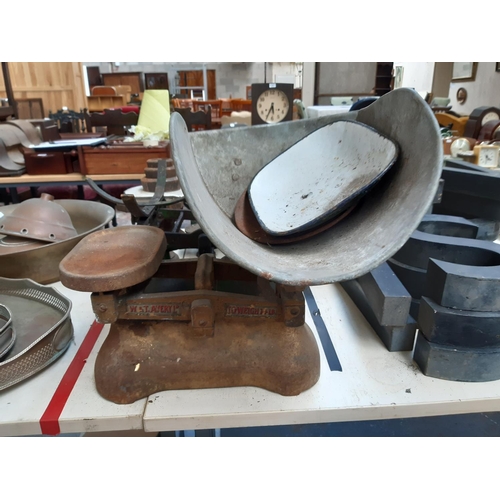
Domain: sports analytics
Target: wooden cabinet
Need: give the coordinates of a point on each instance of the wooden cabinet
(124, 158)
(194, 78)
(384, 79)
(156, 81)
(134, 79)
(94, 77)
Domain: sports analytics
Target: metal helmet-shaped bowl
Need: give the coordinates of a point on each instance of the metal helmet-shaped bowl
(39, 219)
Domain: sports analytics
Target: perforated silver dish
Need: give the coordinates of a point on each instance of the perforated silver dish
(42, 323)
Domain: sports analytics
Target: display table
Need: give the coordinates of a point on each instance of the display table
(373, 384)
(74, 179)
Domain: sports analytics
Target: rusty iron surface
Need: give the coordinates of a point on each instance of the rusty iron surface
(140, 358)
(114, 258)
(202, 336)
(230, 292)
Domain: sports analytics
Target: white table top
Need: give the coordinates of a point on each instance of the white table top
(317, 111)
(373, 384)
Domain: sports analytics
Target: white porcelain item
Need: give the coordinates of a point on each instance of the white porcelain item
(319, 177)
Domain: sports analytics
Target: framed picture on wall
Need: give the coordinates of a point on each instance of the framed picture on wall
(464, 71)
(497, 66)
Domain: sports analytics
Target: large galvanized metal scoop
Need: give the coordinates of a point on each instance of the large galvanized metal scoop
(216, 167)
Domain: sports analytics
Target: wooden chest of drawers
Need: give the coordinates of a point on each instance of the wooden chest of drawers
(125, 158)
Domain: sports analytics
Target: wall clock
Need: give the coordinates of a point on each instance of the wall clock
(478, 118)
(461, 95)
(272, 103)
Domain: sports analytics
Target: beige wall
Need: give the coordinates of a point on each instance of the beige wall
(58, 84)
(417, 75)
(345, 78)
(442, 79)
(483, 91)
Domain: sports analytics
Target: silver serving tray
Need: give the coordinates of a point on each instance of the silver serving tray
(7, 334)
(42, 324)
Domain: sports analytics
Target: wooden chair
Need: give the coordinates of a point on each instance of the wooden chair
(196, 120)
(215, 107)
(226, 107)
(105, 96)
(103, 90)
(182, 103)
(457, 124)
(115, 121)
(69, 121)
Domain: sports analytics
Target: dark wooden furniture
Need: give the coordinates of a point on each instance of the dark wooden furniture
(478, 118)
(384, 80)
(156, 81)
(194, 78)
(116, 122)
(29, 108)
(94, 77)
(213, 106)
(241, 104)
(69, 121)
(134, 79)
(199, 120)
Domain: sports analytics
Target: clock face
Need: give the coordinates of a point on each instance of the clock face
(488, 117)
(488, 157)
(273, 106)
(459, 146)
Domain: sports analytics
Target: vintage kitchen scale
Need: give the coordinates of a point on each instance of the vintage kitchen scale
(239, 320)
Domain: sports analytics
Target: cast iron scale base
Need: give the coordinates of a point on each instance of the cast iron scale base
(188, 324)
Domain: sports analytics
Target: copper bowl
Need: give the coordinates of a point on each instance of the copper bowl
(39, 261)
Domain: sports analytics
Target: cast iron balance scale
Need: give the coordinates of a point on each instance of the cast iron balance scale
(284, 218)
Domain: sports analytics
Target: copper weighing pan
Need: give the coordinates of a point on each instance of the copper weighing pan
(247, 223)
(38, 260)
(42, 322)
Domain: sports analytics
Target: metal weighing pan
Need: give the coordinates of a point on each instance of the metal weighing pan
(42, 323)
(39, 261)
(215, 167)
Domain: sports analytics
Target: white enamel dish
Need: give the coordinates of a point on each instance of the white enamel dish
(319, 177)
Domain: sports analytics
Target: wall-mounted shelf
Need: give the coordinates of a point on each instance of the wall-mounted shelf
(384, 79)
